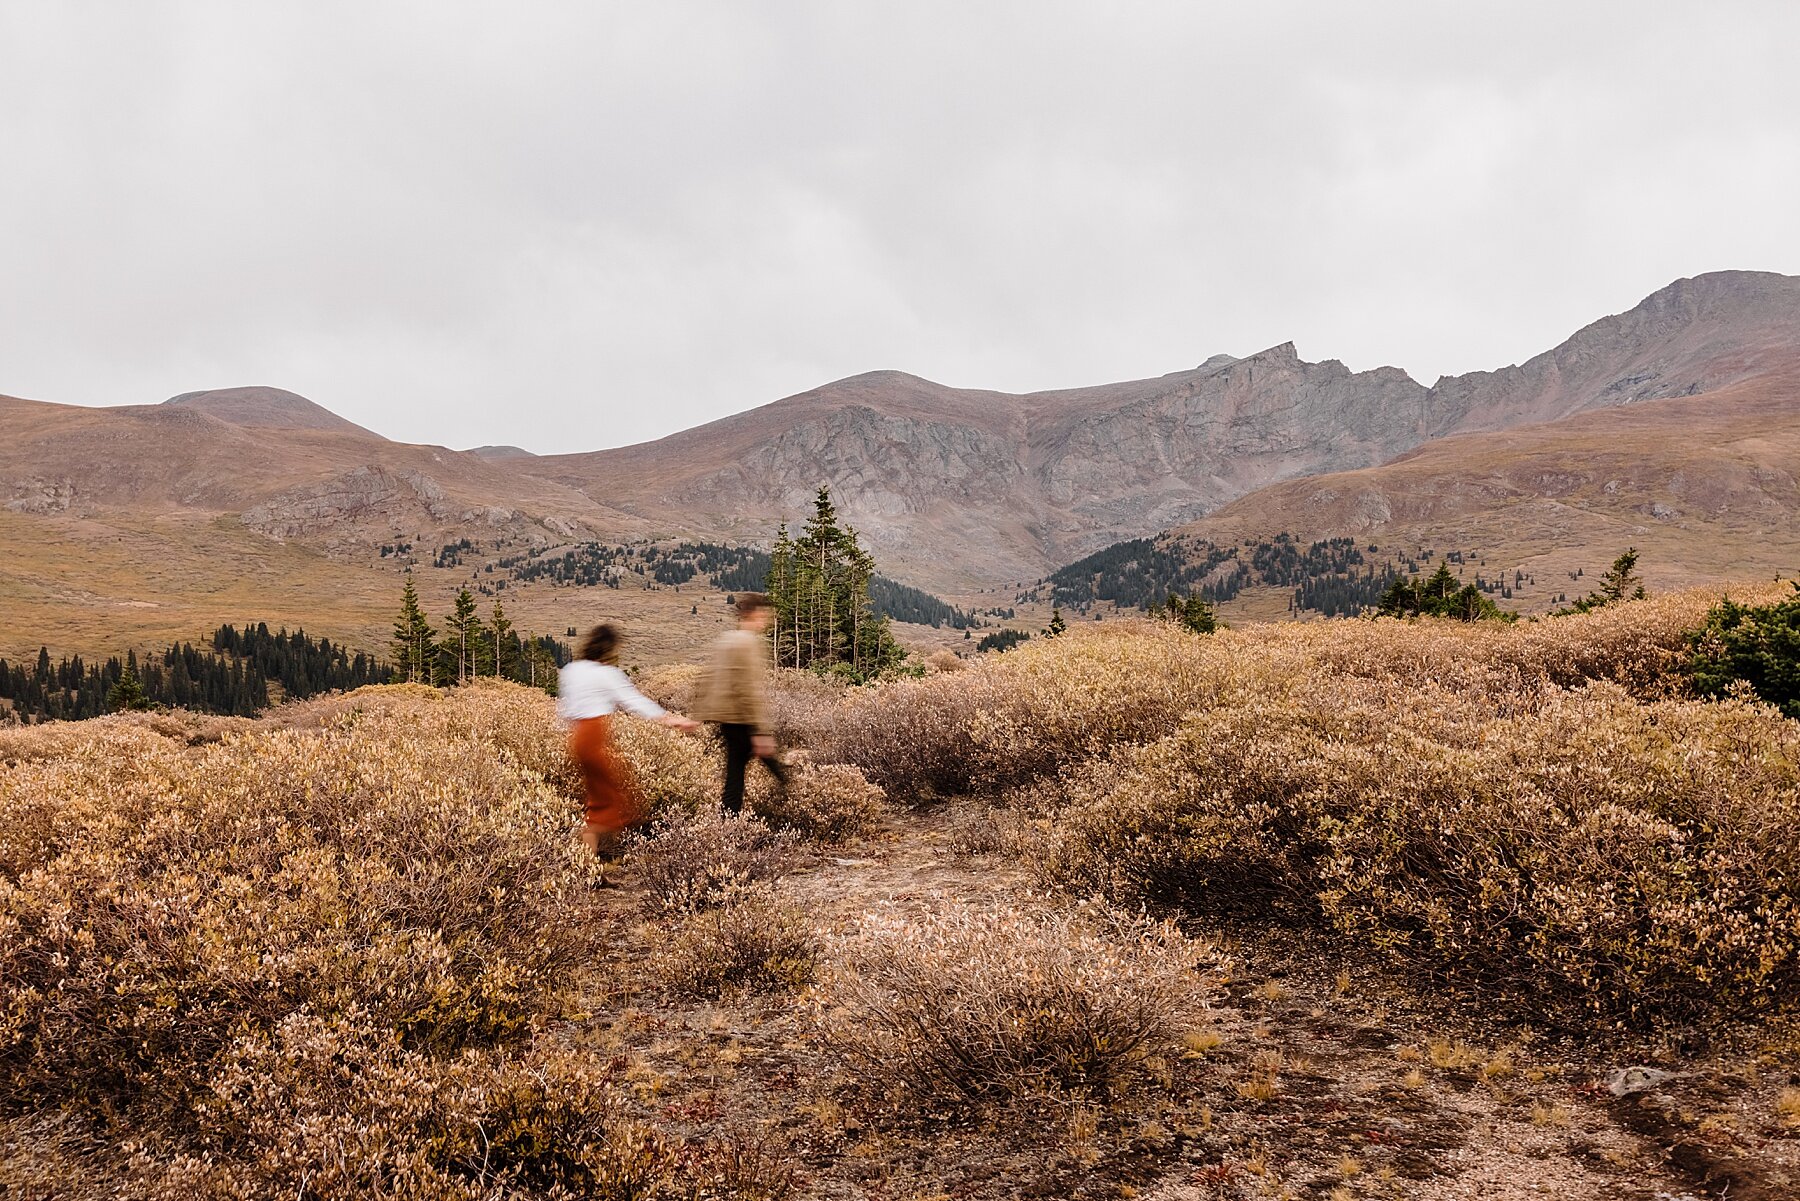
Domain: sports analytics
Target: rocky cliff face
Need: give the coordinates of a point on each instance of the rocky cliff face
(1214, 434)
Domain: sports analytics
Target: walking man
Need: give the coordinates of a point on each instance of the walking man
(733, 695)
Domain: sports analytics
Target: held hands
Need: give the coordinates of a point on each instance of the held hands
(676, 721)
(763, 745)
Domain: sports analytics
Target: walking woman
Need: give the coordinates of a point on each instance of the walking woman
(589, 691)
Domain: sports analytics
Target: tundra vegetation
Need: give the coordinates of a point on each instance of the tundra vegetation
(1339, 910)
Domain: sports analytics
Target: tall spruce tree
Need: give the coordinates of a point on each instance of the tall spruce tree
(415, 655)
(500, 629)
(128, 693)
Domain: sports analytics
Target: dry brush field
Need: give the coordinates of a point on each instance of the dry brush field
(1341, 910)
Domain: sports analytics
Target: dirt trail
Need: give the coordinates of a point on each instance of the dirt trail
(1297, 1081)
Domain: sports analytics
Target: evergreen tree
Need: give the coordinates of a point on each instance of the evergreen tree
(128, 693)
(1757, 645)
(1057, 624)
(1440, 595)
(413, 651)
(1619, 583)
(1196, 613)
(462, 640)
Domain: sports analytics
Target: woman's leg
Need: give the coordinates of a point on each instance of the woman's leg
(611, 808)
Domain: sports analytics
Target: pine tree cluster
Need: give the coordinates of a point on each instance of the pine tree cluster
(469, 648)
(1140, 572)
(1441, 595)
(1619, 583)
(819, 588)
(728, 569)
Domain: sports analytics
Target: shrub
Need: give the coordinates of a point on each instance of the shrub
(340, 1109)
(310, 958)
(943, 661)
(976, 828)
(831, 802)
(968, 1006)
(181, 896)
(1756, 644)
(748, 943)
(1021, 716)
(691, 862)
(1585, 851)
(670, 770)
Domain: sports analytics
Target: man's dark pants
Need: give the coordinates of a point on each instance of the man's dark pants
(739, 750)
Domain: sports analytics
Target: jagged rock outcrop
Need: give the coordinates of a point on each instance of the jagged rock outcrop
(41, 496)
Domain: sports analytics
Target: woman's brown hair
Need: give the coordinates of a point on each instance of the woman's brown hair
(601, 644)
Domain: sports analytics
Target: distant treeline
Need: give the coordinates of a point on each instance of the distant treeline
(1335, 577)
(234, 677)
(723, 568)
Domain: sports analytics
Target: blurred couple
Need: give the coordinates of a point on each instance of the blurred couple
(732, 696)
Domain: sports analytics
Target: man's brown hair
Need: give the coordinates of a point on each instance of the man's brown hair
(749, 604)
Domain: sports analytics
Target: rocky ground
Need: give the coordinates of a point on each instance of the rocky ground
(1304, 1074)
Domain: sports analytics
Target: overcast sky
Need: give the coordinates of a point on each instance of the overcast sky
(581, 224)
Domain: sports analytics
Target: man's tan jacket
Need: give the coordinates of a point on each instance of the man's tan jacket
(733, 690)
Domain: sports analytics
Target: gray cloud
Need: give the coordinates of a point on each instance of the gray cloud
(576, 225)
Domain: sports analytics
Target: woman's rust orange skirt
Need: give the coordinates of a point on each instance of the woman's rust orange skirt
(612, 804)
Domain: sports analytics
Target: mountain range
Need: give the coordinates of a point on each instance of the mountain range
(1671, 423)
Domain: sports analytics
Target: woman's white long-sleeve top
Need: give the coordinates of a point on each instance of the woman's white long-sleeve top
(588, 689)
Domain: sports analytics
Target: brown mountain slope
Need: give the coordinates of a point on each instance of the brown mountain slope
(265, 408)
(1706, 486)
(310, 479)
(1696, 335)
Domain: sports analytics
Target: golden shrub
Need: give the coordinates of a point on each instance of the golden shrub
(749, 943)
(312, 956)
(945, 660)
(831, 802)
(967, 1006)
(1582, 848)
(688, 862)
